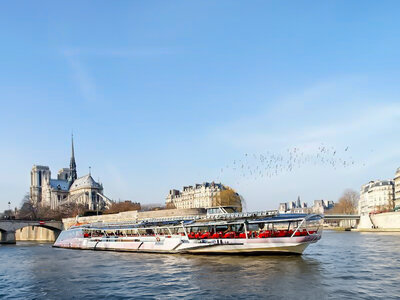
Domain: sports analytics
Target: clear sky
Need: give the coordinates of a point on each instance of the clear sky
(161, 94)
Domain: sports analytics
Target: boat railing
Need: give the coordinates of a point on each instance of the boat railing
(218, 216)
(271, 216)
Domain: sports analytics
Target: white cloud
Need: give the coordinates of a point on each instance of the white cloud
(338, 113)
(318, 114)
(82, 77)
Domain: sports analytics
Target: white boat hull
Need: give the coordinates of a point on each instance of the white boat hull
(180, 244)
(275, 234)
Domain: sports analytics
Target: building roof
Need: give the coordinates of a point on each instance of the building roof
(375, 183)
(40, 167)
(204, 184)
(397, 175)
(85, 182)
(62, 185)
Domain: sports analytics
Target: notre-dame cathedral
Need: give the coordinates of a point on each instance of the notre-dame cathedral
(67, 188)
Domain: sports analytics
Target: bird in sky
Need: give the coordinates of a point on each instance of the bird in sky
(267, 165)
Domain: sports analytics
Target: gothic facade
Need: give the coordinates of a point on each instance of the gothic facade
(66, 188)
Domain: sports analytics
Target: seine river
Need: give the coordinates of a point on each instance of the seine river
(343, 265)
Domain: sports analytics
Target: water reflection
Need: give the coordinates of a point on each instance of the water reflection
(253, 276)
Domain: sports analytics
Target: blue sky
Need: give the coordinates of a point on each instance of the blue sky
(161, 94)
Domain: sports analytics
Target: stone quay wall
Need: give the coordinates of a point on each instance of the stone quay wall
(133, 216)
(385, 221)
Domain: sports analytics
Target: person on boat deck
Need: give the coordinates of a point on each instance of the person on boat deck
(260, 228)
(229, 229)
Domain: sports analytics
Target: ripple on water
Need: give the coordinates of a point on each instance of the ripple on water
(341, 266)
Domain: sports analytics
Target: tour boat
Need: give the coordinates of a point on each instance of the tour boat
(237, 233)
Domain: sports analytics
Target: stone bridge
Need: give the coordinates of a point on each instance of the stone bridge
(345, 221)
(342, 217)
(9, 227)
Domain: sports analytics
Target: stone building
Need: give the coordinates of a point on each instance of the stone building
(293, 207)
(66, 188)
(397, 190)
(375, 196)
(321, 206)
(203, 195)
(298, 207)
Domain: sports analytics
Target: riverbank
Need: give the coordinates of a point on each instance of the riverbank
(362, 229)
(336, 228)
(376, 229)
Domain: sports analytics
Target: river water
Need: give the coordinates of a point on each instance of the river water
(342, 265)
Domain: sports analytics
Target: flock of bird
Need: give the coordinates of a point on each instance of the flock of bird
(269, 164)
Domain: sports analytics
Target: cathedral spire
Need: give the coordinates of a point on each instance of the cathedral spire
(72, 147)
(72, 164)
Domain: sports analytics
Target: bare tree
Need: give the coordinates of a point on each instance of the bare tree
(152, 206)
(71, 210)
(117, 207)
(170, 205)
(347, 203)
(28, 210)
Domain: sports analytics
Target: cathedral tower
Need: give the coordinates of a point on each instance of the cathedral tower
(40, 176)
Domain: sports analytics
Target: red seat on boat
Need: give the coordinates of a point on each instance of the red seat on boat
(229, 235)
(298, 233)
(216, 235)
(197, 235)
(242, 235)
(206, 235)
(265, 234)
(281, 233)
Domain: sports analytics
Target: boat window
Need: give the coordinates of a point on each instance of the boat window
(253, 227)
(213, 211)
(230, 209)
(70, 234)
(313, 225)
(179, 230)
(222, 228)
(149, 232)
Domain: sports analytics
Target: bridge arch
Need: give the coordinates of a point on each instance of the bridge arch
(37, 232)
(53, 228)
(12, 230)
(2, 234)
(7, 237)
